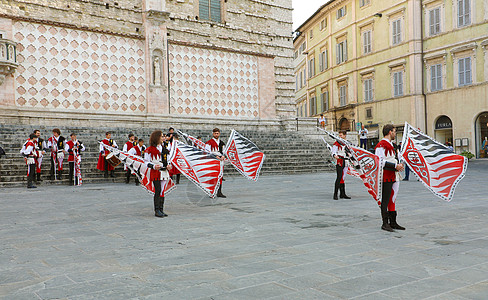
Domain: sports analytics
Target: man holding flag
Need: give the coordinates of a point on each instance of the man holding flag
(386, 150)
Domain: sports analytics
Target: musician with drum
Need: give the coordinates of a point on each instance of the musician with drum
(107, 162)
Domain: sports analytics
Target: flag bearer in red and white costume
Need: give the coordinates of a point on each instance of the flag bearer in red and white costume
(73, 147)
(387, 151)
(138, 150)
(41, 146)
(156, 157)
(30, 154)
(217, 148)
(127, 146)
(102, 164)
(341, 169)
(56, 144)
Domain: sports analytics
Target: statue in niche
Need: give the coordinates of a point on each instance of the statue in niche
(157, 71)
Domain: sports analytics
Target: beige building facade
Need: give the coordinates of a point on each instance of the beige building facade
(374, 62)
(130, 63)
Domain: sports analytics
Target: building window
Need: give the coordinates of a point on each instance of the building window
(323, 63)
(302, 47)
(311, 34)
(464, 71)
(435, 21)
(341, 12)
(325, 100)
(313, 106)
(210, 10)
(367, 42)
(296, 83)
(301, 79)
(436, 77)
(396, 31)
(311, 68)
(341, 52)
(369, 113)
(295, 55)
(343, 95)
(364, 2)
(304, 77)
(398, 84)
(368, 90)
(323, 24)
(464, 12)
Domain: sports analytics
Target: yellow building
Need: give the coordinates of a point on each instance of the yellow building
(390, 61)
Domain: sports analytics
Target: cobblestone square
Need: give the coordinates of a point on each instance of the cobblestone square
(282, 237)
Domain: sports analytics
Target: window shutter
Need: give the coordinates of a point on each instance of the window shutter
(215, 10)
(467, 12)
(461, 71)
(433, 83)
(439, 77)
(338, 48)
(345, 50)
(460, 12)
(204, 9)
(467, 68)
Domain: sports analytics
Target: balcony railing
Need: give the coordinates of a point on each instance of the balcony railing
(8, 58)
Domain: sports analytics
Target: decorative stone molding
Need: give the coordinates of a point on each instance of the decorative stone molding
(470, 46)
(8, 58)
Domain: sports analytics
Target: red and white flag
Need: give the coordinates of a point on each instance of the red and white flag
(193, 141)
(244, 155)
(437, 167)
(201, 168)
(139, 167)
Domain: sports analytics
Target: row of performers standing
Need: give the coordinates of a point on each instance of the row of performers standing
(34, 149)
(387, 150)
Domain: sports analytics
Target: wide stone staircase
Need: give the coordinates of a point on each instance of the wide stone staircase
(286, 151)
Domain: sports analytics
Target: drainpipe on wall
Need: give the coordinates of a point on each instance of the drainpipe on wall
(169, 86)
(422, 62)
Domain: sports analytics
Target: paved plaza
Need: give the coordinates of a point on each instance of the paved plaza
(282, 237)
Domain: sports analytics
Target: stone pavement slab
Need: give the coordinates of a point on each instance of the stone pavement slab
(282, 237)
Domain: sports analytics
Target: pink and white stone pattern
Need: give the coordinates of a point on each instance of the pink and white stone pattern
(80, 70)
(207, 82)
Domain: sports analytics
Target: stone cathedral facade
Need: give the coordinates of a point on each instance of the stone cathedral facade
(134, 63)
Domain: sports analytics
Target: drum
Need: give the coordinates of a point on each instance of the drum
(112, 160)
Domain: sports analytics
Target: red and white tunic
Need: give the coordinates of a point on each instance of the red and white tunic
(338, 149)
(216, 146)
(69, 145)
(154, 156)
(101, 158)
(385, 150)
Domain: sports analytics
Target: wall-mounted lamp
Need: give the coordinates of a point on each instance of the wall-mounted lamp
(379, 15)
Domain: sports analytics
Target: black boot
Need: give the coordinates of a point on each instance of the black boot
(393, 224)
(60, 175)
(385, 226)
(336, 189)
(343, 191)
(105, 173)
(137, 181)
(112, 174)
(161, 206)
(219, 193)
(38, 177)
(157, 207)
(178, 178)
(127, 176)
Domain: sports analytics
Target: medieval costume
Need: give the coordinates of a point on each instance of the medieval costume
(127, 147)
(139, 151)
(341, 170)
(157, 155)
(217, 148)
(30, 154)
(74, 159)
(41, 146)
(386, 150)
(56, 145)
(103, 164)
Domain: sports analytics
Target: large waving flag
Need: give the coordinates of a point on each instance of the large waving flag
(201, 168)
(244, 155)
(362, 164)
(195, 142)
(439, 169)
(350, 168)
(139, 167)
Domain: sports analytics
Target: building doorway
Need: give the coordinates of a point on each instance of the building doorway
(443, 130)
(344, 124)
(481, 130)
